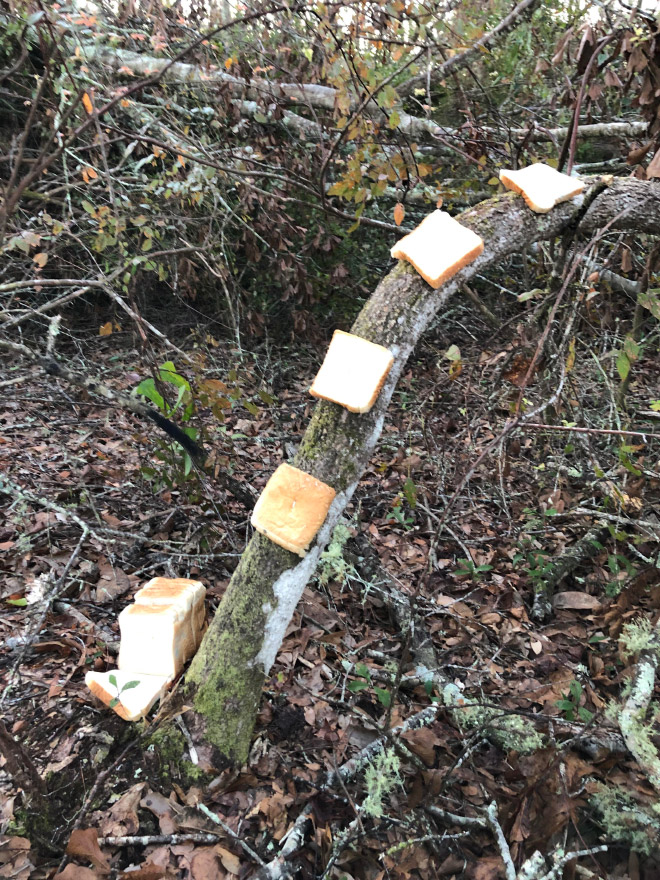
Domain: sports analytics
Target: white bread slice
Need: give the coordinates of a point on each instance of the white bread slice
(292, 508)
(439, 248)
(187, 594)
(353, 372)
(541, 186)
(155, 639)
(134, 702)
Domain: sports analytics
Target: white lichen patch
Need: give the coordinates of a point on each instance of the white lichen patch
(289, 587)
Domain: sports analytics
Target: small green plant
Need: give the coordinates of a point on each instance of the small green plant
(177, 466)
(399, 515)
(570, 704)
(127, 687)
(381, 777)
(363, 681)
(467, 568)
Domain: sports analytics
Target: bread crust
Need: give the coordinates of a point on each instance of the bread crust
(439, 248)
(292, 508)
(140, 699)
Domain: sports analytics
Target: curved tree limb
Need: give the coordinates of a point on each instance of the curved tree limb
(223, 685)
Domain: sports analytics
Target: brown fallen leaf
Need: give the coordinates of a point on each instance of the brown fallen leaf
(84, 844)
(76, 872)
(230, 862)
(577, 601)
(15, 858)
(122, 818)
(163, 809)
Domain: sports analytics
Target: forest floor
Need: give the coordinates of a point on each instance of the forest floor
(344, 674)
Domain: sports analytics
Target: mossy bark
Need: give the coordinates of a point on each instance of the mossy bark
(223, 685)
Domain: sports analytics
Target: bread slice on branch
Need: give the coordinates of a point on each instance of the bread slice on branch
(541, 186)
(353, 372)
(132, 693)
(439, 248)
(292, 508)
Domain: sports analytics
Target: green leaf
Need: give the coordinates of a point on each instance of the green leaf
(650, 300)
(355, 686)
(148, 389)
(384, 696)
(410, 491)
(394, 120)
(112, 678)
(18, 603)
(130, 685)
(362, 670)
(267, 399)
(623, 366)
(252, 408)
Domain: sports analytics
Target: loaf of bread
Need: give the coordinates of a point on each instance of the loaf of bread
(353, 372)
(155, 639)
(186, 594)
(134, 701)
(439, 248)
(541, 186)
(292, 508)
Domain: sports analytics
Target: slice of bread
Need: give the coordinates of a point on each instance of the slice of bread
(439, 248)
(155, 639)
(292, 508)
(353, 372)
(186, 594)
(133, 702)
(541, 186)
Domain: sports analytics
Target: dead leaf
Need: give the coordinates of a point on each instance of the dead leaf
(84, 844)
(163, 809)
(105, 329)
(113, 582)
(87, 103)
(15, 858)
(76, 872)
(489, 868)
(399, 213)
(422, 742)
(122, 818)
(577, 601)
(205, 864)
(230, 862)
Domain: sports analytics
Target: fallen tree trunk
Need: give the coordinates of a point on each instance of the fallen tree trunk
(222, 688)
(259, 92)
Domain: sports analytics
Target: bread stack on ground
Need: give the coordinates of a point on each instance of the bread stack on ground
(160, 632)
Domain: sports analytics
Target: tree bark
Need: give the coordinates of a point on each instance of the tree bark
(222, 688)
